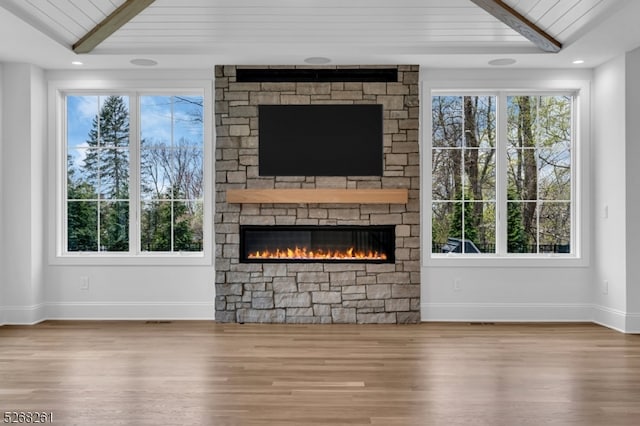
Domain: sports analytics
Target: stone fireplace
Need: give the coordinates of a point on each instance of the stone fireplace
(372, 272)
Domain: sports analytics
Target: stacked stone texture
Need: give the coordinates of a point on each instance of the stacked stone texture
(316, 292)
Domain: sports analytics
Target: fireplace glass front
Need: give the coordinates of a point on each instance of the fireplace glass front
(348, 244)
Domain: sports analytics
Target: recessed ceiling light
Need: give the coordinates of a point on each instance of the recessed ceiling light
(502, 62)
(142, 62)
(317, 60)
(77, 63)
(578, 61)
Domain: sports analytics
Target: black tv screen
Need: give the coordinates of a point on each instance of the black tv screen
(320, 140)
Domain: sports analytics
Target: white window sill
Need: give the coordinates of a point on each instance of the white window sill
(496, 261)
(88, 259)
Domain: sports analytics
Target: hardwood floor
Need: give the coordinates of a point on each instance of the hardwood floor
(203, 373)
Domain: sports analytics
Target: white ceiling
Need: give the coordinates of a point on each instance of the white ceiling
(201, 33)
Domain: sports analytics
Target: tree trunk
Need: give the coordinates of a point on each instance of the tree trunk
(471, 160)
(529, 166)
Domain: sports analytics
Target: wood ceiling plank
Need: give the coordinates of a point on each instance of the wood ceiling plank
(110, 24)
(577, 18)
(520, 24)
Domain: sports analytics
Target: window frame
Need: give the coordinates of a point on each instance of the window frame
(579, 185)
(58, 91)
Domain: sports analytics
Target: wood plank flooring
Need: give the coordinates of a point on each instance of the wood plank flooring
(203, 373)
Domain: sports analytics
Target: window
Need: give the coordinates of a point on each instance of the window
(171, 164)
(503, 174)
(98, 153)
(134, 174)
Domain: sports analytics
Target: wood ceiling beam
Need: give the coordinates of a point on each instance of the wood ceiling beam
(123, 14)
(504, 13)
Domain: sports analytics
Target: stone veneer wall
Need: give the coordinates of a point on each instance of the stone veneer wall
(316, 292)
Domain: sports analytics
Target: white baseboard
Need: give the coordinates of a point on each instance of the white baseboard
(616, 319)
(531, 312)
(633, 323)
(609, 317)
(22, 315)
(506, 312)
(130, 311)
(430, 312)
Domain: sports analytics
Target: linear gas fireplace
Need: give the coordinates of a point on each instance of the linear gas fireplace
(352, 244)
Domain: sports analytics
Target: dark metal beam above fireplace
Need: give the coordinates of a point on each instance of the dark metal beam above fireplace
(322, 75)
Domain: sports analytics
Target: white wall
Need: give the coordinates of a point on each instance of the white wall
(23, 170)
(609, 201)
(128, 292)
(31, 287)
(616, 287)
(37, 194)
(1, 199)
(504, 291)
(506, 294)
(632, 190)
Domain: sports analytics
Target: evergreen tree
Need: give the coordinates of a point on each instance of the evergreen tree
(470, 220)
(157, 219)
(82, 216)
(516, 237)
(106, 167)
(107, 161)
(156, 226)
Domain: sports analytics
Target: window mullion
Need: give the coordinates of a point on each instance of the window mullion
(99, 151)
(63, 176)
(134, 174)
(538, 170)
(173, 189)
(463, 176)
(574, 196)
(501, 175)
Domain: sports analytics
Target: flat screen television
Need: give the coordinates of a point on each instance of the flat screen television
(320, 140)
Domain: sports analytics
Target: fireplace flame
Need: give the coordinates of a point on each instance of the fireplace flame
(304, 254)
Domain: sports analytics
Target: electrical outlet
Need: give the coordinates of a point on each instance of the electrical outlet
(605, 287)
(456, 284)
(84, 283)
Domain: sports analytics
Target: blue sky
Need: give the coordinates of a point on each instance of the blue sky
(161, 118)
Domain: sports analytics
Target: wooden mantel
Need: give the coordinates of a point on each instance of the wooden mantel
(333, 196)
